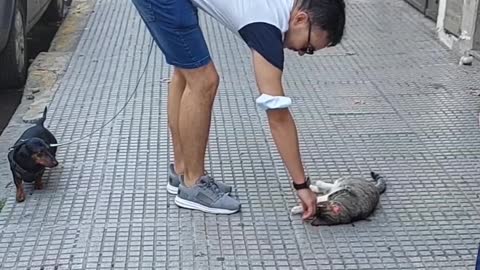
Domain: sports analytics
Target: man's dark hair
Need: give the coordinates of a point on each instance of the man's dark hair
(329, 15)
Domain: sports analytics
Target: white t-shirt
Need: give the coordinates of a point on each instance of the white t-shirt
(235, 14)
(260, 23)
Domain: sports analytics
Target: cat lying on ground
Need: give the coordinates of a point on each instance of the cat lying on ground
(345, 201)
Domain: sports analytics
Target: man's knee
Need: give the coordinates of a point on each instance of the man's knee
(207, 78)
(204, 80)
(178, 77)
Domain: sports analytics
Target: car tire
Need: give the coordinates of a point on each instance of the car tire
(55, 11)
(13, 58)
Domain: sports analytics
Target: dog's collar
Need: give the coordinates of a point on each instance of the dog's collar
(19, 143)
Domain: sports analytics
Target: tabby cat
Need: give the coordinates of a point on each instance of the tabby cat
(347, 200)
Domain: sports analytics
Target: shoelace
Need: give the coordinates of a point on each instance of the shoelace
(210, 184)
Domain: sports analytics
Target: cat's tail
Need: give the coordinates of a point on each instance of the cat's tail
(381, 183)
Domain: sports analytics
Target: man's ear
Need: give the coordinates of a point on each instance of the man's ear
(300, 17)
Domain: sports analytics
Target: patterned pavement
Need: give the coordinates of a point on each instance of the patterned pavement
(391, 98)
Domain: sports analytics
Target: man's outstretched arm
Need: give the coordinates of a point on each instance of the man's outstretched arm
(284, 131)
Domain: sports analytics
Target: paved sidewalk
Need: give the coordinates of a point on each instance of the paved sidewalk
(389, 99)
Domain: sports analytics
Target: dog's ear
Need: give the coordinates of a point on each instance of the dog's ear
(24, 151)
(27, 146)
(35, 145)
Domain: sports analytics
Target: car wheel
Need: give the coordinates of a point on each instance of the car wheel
(13, 58)
(55, 11)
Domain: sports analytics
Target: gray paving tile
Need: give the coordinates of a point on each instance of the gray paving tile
(404, 109)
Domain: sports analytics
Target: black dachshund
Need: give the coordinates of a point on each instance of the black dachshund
(30, 155)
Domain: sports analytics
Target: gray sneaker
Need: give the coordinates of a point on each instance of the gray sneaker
(174, 181)
(206, 196)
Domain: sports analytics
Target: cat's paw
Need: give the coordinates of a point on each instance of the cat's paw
(296, 210)
(314, 189)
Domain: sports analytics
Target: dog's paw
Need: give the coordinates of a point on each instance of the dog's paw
(38, 185)
(20, 196)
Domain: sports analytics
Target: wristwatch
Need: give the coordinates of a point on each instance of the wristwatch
(303, 185)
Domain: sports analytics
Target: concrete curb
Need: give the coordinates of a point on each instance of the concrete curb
(50, 66)
(43, 74)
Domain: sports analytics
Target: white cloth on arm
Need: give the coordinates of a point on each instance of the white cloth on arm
(268, 102)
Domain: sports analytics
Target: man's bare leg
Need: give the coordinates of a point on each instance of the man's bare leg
(194, 119)
(176, 90)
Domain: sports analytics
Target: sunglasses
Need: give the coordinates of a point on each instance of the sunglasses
(309, 49)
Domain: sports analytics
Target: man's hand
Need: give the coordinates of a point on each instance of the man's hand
(309, 203)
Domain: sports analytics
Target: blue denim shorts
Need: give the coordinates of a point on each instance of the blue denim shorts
(174, 26)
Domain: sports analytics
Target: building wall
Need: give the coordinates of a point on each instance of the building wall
(458, 21)
(476, 40)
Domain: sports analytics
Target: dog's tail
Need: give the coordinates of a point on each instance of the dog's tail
(44, 117)
(381, 183)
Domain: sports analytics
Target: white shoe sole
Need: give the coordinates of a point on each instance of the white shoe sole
(196, 206)
(171, 189)
(174, 190)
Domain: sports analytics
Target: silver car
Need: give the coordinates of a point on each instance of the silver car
(17, 18)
